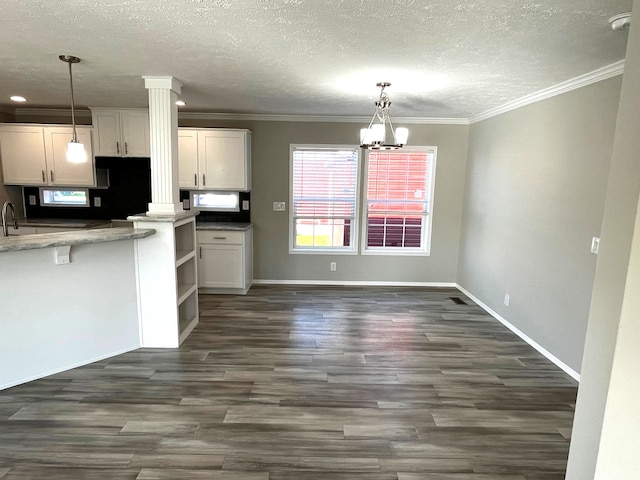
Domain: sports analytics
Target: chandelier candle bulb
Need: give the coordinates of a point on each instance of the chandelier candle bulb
(402, 134)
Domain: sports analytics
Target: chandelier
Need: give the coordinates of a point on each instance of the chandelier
(75, 150)
(374, 137)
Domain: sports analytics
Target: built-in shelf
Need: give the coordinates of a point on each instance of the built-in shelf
(188, 314)
(182, 257)
(174, 249)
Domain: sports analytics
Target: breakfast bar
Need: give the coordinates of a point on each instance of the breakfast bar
(68, 299)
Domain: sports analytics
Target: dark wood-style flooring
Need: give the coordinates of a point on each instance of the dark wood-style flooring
(300, 383)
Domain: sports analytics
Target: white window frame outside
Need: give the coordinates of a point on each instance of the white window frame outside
(354, 228)
(425, 241)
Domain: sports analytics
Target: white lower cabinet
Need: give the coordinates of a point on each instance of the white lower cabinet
(225, 261)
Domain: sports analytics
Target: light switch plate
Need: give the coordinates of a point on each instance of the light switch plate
(97, 202)
(595, 245)
(32, 199)
(279, 206)
(186, 204)
(245, 204)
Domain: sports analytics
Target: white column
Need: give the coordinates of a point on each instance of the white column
(163, 123)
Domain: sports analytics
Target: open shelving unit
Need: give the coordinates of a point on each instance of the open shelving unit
(187, 278)
(168, 280)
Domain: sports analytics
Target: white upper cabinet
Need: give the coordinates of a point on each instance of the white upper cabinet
(23, 155)
(121, 132)
(37, 155)
(61, 171)
(215, 159)
(188, 158)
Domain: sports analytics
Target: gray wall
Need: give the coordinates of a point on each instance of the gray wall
(270, 173)
(534, 198)
(613, 334)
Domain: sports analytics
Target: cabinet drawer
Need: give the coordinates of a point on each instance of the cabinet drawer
(220, 237)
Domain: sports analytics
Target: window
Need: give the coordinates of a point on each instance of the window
(397, 208)
(217, 201)
(67, 198)
(324, 193)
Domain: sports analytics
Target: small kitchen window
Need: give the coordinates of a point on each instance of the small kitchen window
(216, 201)
(78, 197)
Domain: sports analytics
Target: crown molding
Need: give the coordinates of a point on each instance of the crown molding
(595, 76)
(314, 118)
(50, 112)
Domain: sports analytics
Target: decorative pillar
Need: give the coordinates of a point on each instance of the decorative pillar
(163, 130)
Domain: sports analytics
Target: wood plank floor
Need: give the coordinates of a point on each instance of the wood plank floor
(304, 383)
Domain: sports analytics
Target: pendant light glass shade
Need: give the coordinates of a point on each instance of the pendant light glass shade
(374, 137)
(75, 150)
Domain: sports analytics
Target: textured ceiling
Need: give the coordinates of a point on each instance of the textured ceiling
(452, 59)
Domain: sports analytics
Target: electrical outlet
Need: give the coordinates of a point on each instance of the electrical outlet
(595, 245)
(32, 199)
(332, 266)
(507, 299)
(279, 206)
(97, 202)
(186, 204)
(245, 204)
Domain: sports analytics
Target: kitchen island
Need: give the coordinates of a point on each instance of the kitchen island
(67, 299)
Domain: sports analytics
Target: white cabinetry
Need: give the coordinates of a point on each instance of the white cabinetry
(225, 261)
(167, 280)
(37, 155)
(214, 159)
(121, 133)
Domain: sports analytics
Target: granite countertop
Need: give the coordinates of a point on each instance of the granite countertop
(241, 227)
(61, 222)
(143, 217)
(46, 240)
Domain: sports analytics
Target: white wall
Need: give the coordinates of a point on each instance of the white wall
(54, 317)
(606, 427)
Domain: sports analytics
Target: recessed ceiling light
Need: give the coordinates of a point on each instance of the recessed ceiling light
(18, 98)
(621, 22)
(180, 103)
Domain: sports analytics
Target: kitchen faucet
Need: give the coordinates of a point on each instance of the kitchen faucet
(5, 227)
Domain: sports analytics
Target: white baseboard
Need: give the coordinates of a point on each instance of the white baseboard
(354, 283)
(559, 363)
(68, 367)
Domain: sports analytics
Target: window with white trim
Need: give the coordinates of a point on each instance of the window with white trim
(324, 196)
(398, 201)
(396, 206)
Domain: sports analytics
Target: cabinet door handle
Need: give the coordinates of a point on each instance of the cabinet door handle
(219, 238)
(126, 148)
(118, 148)
(195, 179)
(51, 172)
(43, 177)
(200, 254)
(204, 180)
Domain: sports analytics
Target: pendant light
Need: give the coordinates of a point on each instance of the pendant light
(75, 150)
(374, 137)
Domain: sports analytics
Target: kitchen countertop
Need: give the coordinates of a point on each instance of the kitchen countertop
(143, 217)
(46, 240)
(61, 222)
(241, 227)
